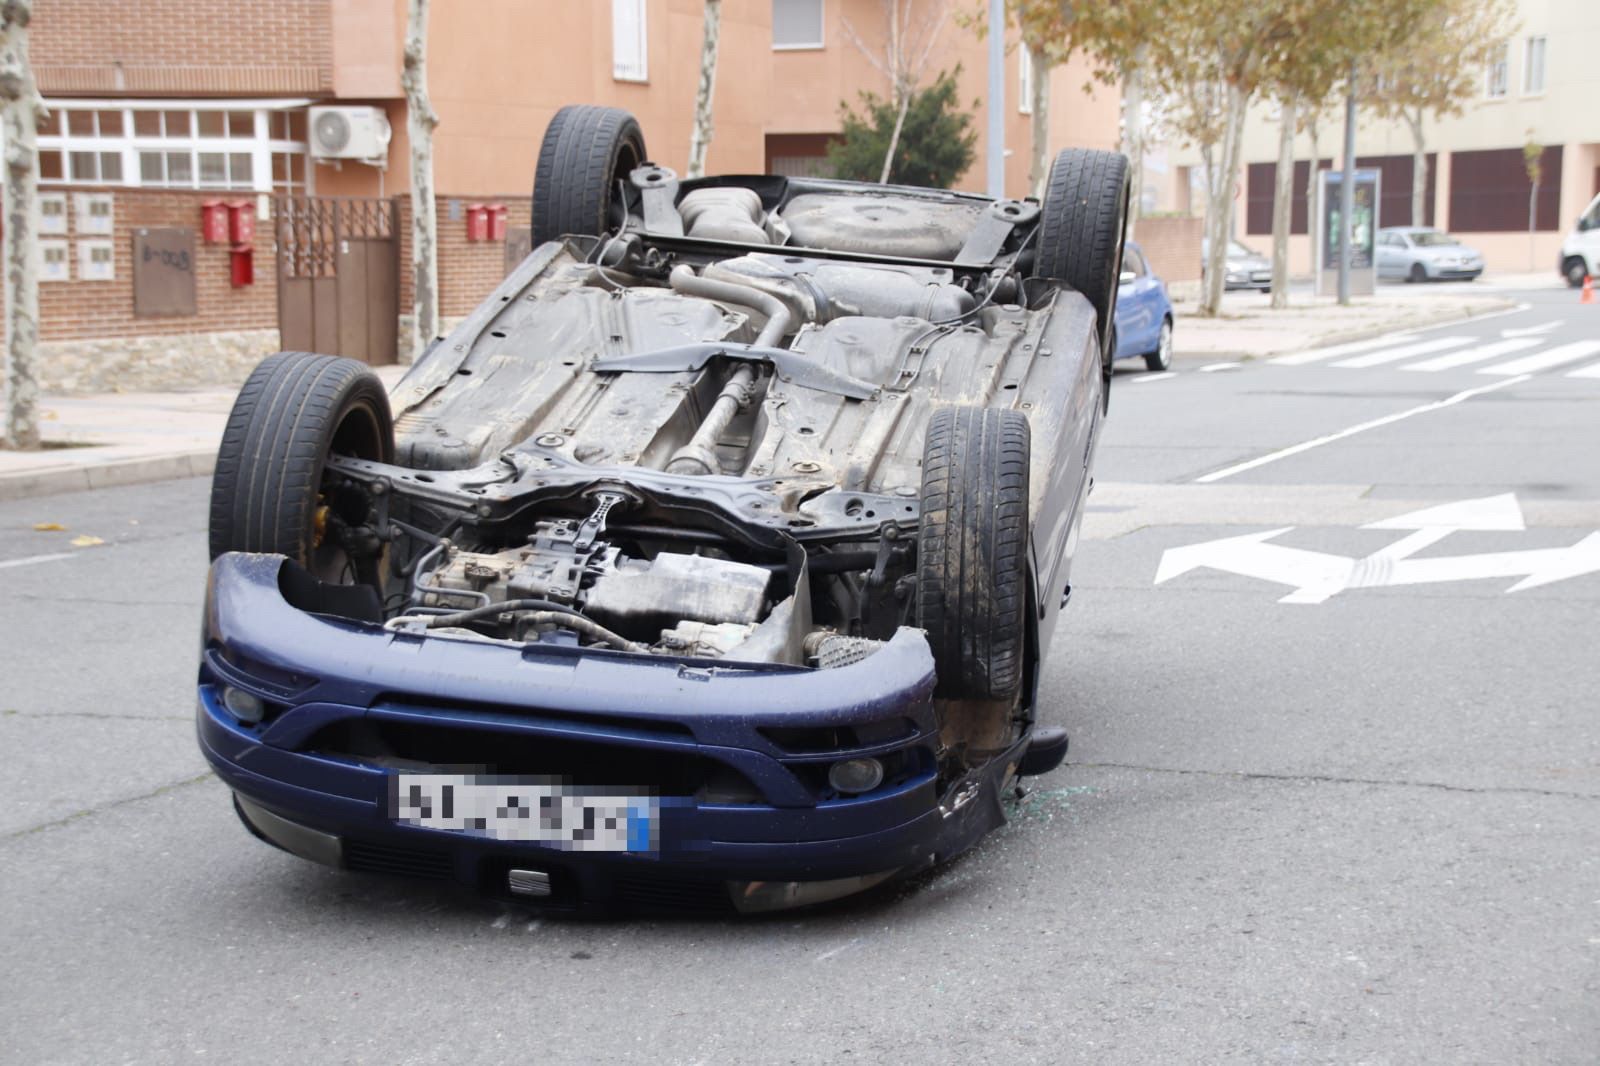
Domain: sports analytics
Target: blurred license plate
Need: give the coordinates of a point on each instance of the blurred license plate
(568, 817)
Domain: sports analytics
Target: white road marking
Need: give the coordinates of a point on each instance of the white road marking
(1394, 355)
(1305, 446)
(1531, 331)
(1154, 377)
(1586, 372)
(29, 560)
(1562, 353)
(1474, 355)
(1316, 355)
(1210, 367)
(1317, 576)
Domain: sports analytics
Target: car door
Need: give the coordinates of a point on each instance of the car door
(1135, 306)
(1390, 247)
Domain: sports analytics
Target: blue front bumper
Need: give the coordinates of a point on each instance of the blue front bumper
(739, 753)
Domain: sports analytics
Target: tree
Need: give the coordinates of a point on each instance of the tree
(1533, 164)
(935, 138)
(700, 136)
(420, 122)
(20, 111)
(1047, 30)
(908, 45)
(1433, 72)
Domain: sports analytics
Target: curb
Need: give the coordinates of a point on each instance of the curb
(24, 484)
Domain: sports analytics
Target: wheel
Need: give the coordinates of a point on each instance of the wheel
(1418, 274)
(586, 151)
(972, 551)
(1575, 270)
(1161, 358)
(268, 494)
(1081, 228)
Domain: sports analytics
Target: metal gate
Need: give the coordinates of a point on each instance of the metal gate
(338, 276)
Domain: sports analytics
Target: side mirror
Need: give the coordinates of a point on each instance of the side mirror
(1127, 276)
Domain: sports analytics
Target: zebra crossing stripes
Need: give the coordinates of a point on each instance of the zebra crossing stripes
(1560, 355)
(1405, 351)
(1317, 355)
(1591, 371)
(1475, 355)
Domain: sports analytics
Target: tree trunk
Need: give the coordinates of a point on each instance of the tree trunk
(420, 121)
(1039, 124)
(1282, 201)
(1419, 170)
(700, 136)
(1133, 131)
(1311, 180)
(21, 108)
(894, 136)
(1219, 212)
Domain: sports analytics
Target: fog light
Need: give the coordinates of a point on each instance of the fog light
(245, 706)
(856, 775)
(754, 897)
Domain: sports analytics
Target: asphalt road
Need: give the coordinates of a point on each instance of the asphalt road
(1364, 829)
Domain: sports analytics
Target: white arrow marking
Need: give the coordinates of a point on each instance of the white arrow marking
(1531, 331)
(1565, 353)
(1315, 576)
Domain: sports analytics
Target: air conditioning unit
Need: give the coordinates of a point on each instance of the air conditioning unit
(349, 133)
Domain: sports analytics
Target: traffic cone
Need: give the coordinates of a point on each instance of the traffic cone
(1588, 290)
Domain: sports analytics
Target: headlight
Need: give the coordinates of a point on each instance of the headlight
(245, 706)
(855, 775)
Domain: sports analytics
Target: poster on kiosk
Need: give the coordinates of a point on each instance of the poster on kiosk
(1362, 231)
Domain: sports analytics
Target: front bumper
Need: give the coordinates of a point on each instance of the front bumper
(738, 753)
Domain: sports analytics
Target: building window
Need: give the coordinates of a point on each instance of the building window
(156, 144)
(1533, 67)
(796, 24)
(630, 41)
(1024, 80)
(1497, 77)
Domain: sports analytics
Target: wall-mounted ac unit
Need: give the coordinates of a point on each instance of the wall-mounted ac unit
(349, 133)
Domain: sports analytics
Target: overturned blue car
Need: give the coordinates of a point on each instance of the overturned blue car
(707, 566)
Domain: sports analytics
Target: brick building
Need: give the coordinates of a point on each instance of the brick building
(157, 108)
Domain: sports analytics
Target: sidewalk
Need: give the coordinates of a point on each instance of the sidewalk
(1248, 328)
(108, 439)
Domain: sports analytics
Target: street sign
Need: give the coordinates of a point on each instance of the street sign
(1317, 576)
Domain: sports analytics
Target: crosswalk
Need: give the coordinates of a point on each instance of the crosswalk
(1505, 357)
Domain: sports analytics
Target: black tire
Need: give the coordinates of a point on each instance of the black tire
(1161, 358)
(1082, 224)
(972, 551)
(1574, 270)
(295, 410)
(586, 151)
(1418, 274)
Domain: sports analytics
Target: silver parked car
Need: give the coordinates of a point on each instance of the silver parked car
(1422, 253)
(1246, 268)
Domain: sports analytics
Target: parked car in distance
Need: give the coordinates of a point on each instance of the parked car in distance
(1422, 253)
(1580, 252)
(1246, 267)
(1144, 313)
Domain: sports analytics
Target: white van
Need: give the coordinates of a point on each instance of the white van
(1580, 252)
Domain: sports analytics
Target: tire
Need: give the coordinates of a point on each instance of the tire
(1418, 274)
(1161, 358)
(1574, 270)
(1081, 228)
(586, 151)
(267, 493)
(972, 551)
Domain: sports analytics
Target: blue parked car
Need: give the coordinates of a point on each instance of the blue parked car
(709, 564)
(1144, 313)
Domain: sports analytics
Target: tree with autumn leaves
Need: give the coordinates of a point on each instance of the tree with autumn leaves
(1212, 58)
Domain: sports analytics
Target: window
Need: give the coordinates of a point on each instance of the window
(630, 43)
(1497, 76)
(1533, 67)
(159, 145)
(1024, 80)
(1132, 262)
(796, 24)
